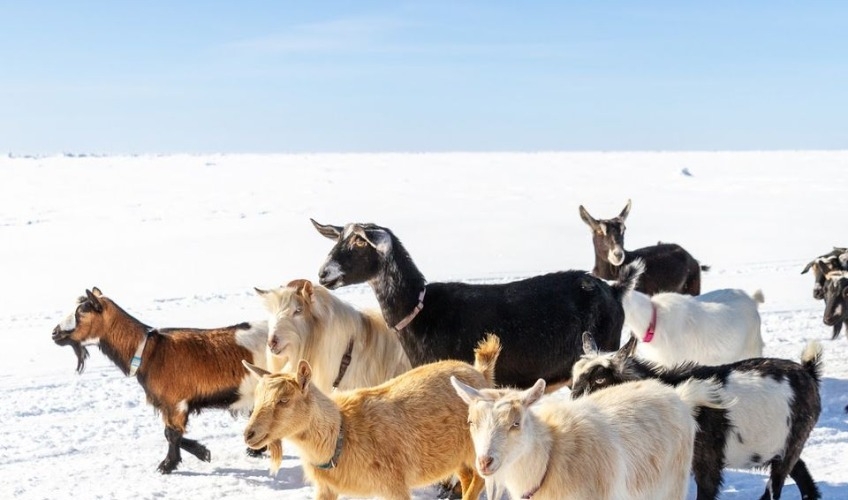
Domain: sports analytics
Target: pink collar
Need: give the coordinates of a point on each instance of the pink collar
(411, 316)
(649, 335)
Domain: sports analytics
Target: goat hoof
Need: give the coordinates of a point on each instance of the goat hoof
(256, 453)
(205, 455)
(167, 466)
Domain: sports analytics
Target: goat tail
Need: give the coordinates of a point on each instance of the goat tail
(628, 278)
(811, 359)
(698, 393)
(758, 297)
(486, 355)
(705, 267)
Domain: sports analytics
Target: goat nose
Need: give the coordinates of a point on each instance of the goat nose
(272, 343)
(484, 462)
(248, 434)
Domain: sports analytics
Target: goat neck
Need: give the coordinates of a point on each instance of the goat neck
(317, 442)
(398, 284)
(638, 312)
(604, 269)
(121, 338)
(529, 468)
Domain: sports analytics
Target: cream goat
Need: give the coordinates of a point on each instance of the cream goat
(631, 441)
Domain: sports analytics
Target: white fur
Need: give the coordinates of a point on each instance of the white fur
(69, 324)
(716, 328)
(253, 339)
(761, 401)
(333, 271)
(182, 406)
(322, 339)
(592, 448)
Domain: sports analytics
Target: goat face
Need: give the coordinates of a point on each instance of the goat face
(291, 319)
(81, 326)
(836, 301)
(356, 256)
(281, 406)
(823, 265)
(596, 370)
(496, 419)
(608, 235)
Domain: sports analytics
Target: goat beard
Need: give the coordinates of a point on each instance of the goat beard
(837, 327)
(79, 350)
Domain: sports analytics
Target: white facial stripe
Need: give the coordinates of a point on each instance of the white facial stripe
(347, 231)
(69, 324)
(837, 311)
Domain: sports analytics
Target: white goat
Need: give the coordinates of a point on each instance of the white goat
(631, 441)
(715, 328)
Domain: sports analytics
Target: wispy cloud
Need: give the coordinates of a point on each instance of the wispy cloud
(339, 35)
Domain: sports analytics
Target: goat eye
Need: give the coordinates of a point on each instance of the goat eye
(282, 402)
(516, 425)
(298, 309)
(600, 380)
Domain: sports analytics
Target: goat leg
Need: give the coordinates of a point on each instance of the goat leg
(804, 481)
(196, 449)
(173, 458)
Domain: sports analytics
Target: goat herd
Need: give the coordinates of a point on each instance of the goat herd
(449, 378)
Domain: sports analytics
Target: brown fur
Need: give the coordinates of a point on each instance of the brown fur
(182, 370)
(405, 433)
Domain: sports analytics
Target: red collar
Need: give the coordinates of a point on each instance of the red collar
(649, 335)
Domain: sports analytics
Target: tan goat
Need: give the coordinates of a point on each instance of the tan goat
(381, 441)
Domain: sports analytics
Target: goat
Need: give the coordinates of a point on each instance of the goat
(539, 318)
(668, 267)
(835, 260)
(346, 348)
(836, 301)
(777, 406)
(632, 441)
(718, 327)
(383, 440)
(181, 370)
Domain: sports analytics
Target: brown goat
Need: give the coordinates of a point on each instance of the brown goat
(181, 370)
(379, 441)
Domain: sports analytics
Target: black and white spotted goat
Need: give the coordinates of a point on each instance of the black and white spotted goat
(777, 406)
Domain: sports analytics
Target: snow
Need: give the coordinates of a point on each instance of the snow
(182, 240)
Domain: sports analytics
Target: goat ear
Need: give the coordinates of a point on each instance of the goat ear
(94, 299)
(306, 290)
(328, 231)
(588, 219)
(466, 392)
(808, 266)
(255, 370)
(380, 239)
(304, 375)
(96, 291)
(627, 350)
(624, 213)
(261, 292)
(589, 345)
(533, 394)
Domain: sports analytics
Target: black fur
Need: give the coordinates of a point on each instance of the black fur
(714, 425)
(539, 320)
(835, 296)
(668, 267)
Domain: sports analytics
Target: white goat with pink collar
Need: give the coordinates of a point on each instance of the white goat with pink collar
(715, 328)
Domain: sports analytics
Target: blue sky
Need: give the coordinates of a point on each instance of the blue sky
(339, 76)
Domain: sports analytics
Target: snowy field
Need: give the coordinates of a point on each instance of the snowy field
(182, 241)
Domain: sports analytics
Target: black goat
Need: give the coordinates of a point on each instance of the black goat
(539, 320)
(835, 260)
(668, 267)
(777, 404)
(836, 301)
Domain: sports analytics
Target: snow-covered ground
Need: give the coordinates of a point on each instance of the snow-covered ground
(181, 241)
